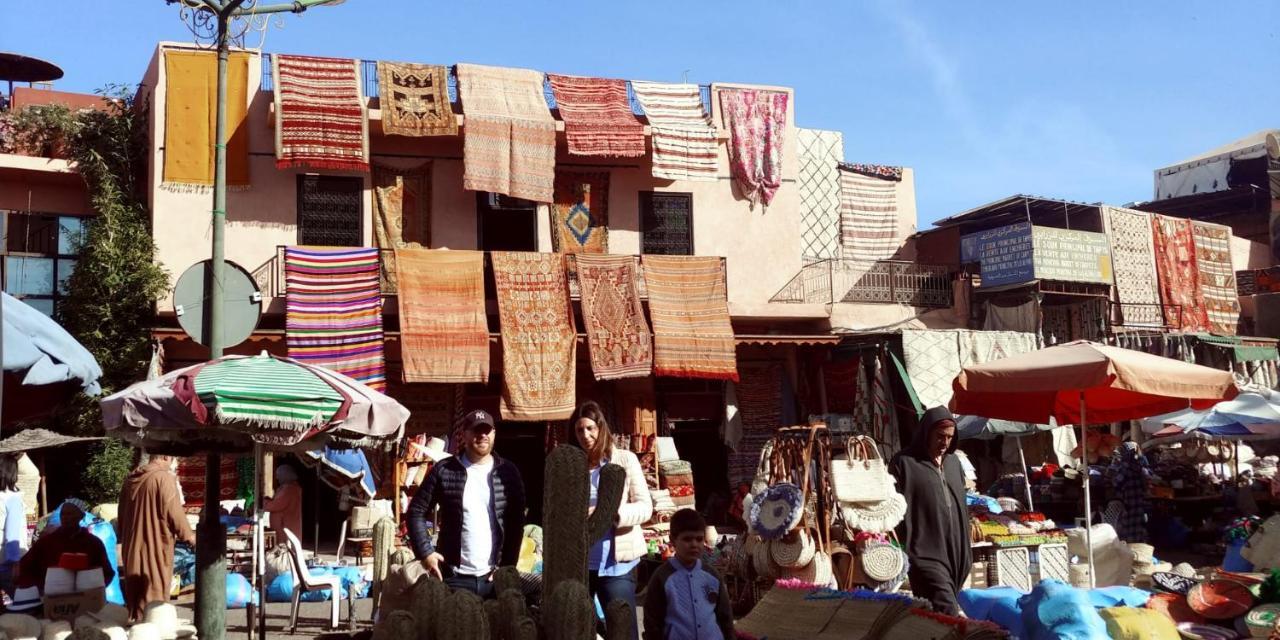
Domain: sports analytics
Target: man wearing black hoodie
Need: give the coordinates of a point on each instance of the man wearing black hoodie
(936, 528)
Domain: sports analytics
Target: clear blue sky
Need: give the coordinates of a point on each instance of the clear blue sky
(1079, 100)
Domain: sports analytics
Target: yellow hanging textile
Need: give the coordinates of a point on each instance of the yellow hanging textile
(191, 92)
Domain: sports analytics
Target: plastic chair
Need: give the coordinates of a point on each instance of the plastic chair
(305, 582)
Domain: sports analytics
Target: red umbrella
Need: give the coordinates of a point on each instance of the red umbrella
(1074, 382)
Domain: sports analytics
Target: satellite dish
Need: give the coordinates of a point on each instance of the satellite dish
(242, 302)
(1273, 146)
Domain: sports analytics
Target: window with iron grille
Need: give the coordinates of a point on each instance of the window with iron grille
(666, 223)
(40, 251)
(330, 211)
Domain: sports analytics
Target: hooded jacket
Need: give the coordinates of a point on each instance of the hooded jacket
(935, 531)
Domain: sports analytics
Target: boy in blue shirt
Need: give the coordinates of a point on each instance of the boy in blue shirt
(687, 600)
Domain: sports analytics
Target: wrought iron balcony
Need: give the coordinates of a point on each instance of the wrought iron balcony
(884, 281)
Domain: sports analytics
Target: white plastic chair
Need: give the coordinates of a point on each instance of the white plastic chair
(305, 582)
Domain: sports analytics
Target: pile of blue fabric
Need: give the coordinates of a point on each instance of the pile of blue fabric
(1054, 610)
(281, 589)
(184, 563)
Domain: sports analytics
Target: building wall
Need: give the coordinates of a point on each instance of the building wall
(762, 245)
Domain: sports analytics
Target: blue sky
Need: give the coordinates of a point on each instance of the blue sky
(1079, 100)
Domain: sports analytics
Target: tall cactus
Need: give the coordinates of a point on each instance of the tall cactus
(384, 539)
(465, 619)
(619, 621)
(429, 604)
(567, 535)
(569, 613)
(398, 625)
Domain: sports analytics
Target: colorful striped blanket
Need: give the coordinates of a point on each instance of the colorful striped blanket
(684, 143)
(444, 333)
(320, 116)
(597, 117)
(333, 311)
(691, 331)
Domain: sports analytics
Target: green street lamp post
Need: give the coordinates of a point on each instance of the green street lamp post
(213, 21)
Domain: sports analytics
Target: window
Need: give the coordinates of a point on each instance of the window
(666, 223)
(40, 251)
(330, 211)
(506, 223)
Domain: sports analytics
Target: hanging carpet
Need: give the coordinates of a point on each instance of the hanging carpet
(684, 143)
(191, 94)
(444, 334)
(580, 213)
(1178, 275)
(757, 124)
(935, 358)
(868, 216)
(819, 185)
(597, 116)
(333, 311)
(693, 337)
(414, 99)
(619, 338)
(760, 407)
(509, 136)
(1217, 276)
(191, 472)
(401, 211)
(320, 116)
(539, 340)
(1134, 265)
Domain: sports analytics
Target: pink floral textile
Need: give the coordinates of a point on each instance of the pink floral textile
(757, 122)
(1178, 274)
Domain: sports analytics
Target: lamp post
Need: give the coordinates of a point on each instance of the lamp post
(219, 22)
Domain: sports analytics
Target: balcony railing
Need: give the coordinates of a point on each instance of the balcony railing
(883, 281)
(270, 276)
(369, 76)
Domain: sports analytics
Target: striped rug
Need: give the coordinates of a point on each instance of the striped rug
(868, 216)
(333, 311)
(444, 334)
(509, 136)
(597, 117)
(1217, 276)
(539, 340)
(684, 143)
(320, 116)
(692, 336)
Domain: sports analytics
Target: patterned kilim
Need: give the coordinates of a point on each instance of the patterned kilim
(620, 341)
(1179, 277)
(1217, 276)
(1134, 264)
(760, 405)
(840, 377)
(191, 478)
(692, 334)
(262, 390)
(757, 124)
(884, 417)
(320, 117)
(868, 216)
(401, 211)
(933, 362)
(684, 143)
(333, 311)
(580, 213)
(191, 81)
(444, 334)
(819, 182)
(414, 99)
(509, 138)
(539, 341)
(597, 117)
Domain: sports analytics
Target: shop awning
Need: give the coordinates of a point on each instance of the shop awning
(1245, 350)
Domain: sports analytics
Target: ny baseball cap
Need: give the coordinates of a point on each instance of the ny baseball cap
(477, 418)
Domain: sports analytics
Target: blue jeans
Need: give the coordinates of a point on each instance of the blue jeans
(479, 585)
(610, 588)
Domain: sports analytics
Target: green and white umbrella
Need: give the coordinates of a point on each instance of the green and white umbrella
(240, 401)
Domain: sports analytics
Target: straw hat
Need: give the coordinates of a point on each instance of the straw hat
(777, 510)
(1173, 582)
(55, 630)
(1262, 620)
(1142, 553)
(19, 625)
(145, 631)
(165, 617)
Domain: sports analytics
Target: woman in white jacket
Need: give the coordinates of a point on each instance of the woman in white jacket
(613, 558)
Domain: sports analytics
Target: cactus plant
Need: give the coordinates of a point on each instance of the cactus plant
(568, 613)
(465, 618)
(430, 602)
(512, 616)
(567, 534)
(397, 625)
(619, 621)
(491, 613)
(384, 541)
(402, 556)
(506, 579)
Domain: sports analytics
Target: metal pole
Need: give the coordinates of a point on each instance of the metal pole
(1088, 506)
(211, 579)
(1026, 474)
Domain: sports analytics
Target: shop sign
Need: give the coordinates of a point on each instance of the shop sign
(1005, 254)
(1071, 256)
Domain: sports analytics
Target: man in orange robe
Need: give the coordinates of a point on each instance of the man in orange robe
(151, 522)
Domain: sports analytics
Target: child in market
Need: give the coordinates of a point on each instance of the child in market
(687, 600)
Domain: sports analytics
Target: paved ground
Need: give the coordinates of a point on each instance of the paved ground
(313, 618)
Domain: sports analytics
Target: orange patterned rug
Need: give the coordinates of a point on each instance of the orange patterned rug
(444, 335)
(539, 341)
(580, 213)
(692, 336)
(619, 338)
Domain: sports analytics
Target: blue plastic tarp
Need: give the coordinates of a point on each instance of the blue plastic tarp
(346, 470)
(281, 588)
(41, 351)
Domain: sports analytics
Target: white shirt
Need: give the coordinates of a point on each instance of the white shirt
(477, 519)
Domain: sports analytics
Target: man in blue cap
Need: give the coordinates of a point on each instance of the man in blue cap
(481, 502)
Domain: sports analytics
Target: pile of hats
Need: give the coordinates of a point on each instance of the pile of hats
(1145, 564)
(160, 622)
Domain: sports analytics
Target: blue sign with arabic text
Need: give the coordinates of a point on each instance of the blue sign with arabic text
(1005, 254)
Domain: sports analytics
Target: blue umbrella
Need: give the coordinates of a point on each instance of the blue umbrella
(42, 360)
(1248, 416)
(346, 470)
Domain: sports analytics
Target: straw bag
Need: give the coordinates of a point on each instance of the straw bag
(817, 572)
(875, 517)
(762, 561)
(860, 474)
(794, 550)
(884, 564)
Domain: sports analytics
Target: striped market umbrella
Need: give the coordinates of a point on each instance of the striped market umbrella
(240, 401)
